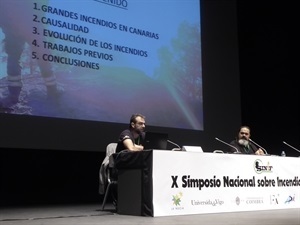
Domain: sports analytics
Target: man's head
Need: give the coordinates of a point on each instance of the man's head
(244, 135)
(137, 123)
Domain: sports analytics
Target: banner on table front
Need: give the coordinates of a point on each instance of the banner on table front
(193, 183)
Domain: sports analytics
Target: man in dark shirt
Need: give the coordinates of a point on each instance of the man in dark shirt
(242, 143)
(132, 138)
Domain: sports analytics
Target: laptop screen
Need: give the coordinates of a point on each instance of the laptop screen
(155, 140)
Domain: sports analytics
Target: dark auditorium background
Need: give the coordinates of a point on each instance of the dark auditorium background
(269, 105)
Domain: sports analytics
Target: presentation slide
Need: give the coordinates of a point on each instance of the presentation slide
(103, 60)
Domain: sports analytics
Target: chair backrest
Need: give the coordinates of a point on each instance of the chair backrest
(111, 149)
(106, 166)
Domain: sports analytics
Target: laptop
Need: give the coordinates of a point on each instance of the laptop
(155, 140)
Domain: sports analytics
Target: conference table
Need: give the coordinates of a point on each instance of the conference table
(165, 183)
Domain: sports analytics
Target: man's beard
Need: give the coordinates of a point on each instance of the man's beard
(139, 131)
(243, 142)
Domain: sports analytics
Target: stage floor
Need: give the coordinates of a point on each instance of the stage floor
(89, 214)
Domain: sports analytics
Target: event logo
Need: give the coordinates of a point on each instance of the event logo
(177, 199)
(259, 167)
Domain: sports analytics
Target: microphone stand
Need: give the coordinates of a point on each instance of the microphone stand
(237, 151)
(259, 146)
(291, 146)
(173, 143)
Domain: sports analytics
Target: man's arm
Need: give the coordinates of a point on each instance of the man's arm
(130, 145)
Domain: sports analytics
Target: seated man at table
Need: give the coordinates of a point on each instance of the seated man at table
(132, 138)
(242, 143)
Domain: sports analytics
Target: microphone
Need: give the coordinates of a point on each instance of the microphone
(259, 146)
(173, 143)
(237, 151)
(291, 146)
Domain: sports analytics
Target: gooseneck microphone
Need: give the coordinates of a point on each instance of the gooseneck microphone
(259, 146)
(237, 151)
(173, 143)
(291, 146)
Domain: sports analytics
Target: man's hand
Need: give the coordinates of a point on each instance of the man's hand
(259, 152)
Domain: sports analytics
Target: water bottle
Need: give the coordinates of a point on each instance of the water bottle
(283, 153)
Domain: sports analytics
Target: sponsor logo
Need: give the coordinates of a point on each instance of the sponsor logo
(290, 199)
(238, 200)
(274, 199)
(177, 199)
(249, 200)
(254, 201)
(214, 202)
